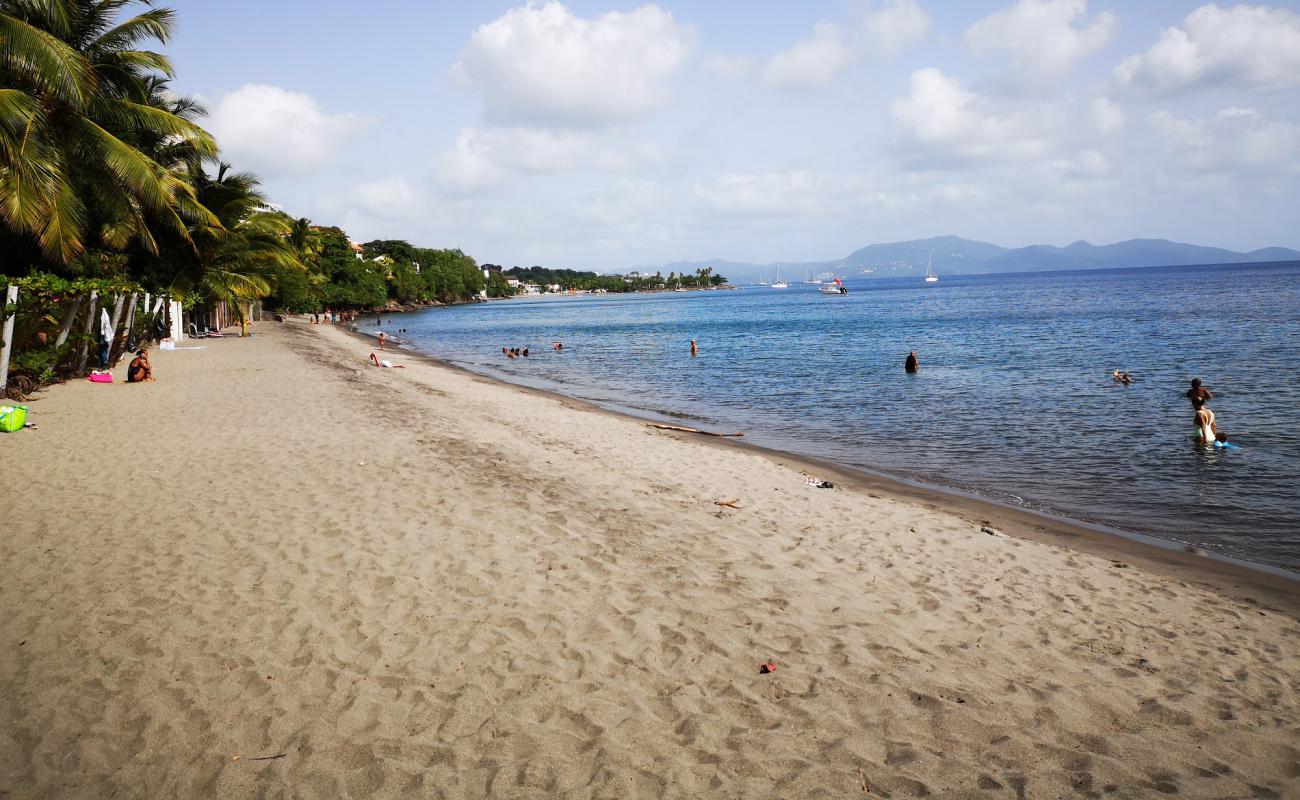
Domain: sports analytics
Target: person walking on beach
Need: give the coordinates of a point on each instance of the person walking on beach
(695, 349)
(911, 364)
(383, 337)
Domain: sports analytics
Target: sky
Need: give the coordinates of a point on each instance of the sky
(609, 135)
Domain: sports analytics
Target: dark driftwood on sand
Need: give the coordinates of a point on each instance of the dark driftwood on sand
(688, 430)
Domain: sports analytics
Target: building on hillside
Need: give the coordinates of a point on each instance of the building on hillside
(357, 249)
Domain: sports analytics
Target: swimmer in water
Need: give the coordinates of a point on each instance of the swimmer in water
(911, 365)
(695, 349)
(1198, 394)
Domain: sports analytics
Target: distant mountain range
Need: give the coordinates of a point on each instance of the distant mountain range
(954, 255)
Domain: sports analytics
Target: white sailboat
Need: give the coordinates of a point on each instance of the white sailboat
(811, 280)
(761, 281)
(930, 277)
(778, 283)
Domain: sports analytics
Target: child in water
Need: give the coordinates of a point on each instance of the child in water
(1221, 440)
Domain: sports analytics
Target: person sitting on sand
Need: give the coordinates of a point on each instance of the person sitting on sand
(385, 363)
(140, 371)
(911, 364)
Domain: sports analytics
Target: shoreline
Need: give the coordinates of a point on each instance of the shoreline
(1152, 551)
(279, 569)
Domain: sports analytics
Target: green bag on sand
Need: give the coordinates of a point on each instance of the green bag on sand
(12, 418)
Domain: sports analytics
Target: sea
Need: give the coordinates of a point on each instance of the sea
(1013, 402)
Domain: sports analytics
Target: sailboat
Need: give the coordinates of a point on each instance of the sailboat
(762, 282)
(930, 277)
(778, 283)
(811, 280)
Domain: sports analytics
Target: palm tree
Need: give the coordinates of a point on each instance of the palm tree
(239, 254)
(79, 109)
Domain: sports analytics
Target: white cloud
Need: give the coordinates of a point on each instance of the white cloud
(389, 199)
(1254, 47)
(812, 61)
(541, 64)
(483, 157)
(1044, 37)
(1235, 140)
(897, 25)
(274, 131)
(945, 123)
(774, 194)
(829, 50)
(1107, 117)
(725, 66)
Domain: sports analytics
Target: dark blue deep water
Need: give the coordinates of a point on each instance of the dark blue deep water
(1014, 399)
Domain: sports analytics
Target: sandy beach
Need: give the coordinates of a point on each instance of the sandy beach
(281, 572)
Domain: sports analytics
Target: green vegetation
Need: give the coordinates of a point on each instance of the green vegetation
(568, 279)
(111, 189)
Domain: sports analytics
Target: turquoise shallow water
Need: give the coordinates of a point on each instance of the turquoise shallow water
(1013, 401)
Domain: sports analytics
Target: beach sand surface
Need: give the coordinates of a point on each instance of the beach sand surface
(281, 572)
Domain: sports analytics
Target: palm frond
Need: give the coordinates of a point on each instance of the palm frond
(42, 60)
(61, 236)
(135, 63)
(156, 23)
(147, 119)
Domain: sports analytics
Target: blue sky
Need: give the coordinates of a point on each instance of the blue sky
(612, 135)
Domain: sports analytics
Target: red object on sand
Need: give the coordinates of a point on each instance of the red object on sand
(765, 669)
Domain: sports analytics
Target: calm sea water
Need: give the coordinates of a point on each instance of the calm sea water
(1014, 399)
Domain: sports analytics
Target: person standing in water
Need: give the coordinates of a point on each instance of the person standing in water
(911, 364)
(1198, 394)
(695, 349)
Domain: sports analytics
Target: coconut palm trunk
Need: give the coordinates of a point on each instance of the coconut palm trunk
(7, 333)
(120, 336)
(83, 351)
(65, 327)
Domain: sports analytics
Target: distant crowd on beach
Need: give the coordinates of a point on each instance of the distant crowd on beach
(329, 317)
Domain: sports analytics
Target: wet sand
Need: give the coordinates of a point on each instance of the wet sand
(419, 582)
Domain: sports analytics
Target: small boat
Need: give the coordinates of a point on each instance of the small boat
(833, 287)
(778, 283)
(930, 277)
